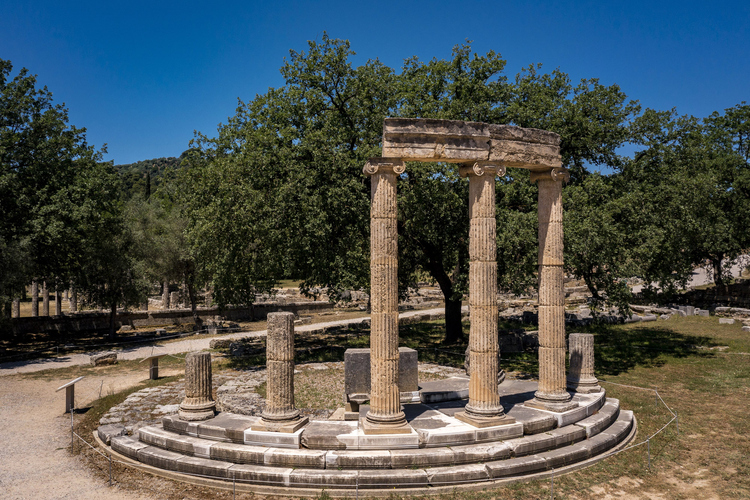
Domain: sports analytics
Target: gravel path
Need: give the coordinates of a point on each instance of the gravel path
(188, 345)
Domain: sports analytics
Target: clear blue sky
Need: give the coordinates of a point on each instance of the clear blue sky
(142, 76)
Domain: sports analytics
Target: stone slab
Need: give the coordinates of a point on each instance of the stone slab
(127, 446)
(599, 443)
(481, 452)
(156, 457)
(300, 458)
(362, 441)
(238, 453)
(226, 427)
(457, 474)
(260, 474)
(324, 435)
(203, 467)
(501, 432)
(403, 478)
(173, 423)
(622, 425)
(354, 459)
(450, 389)
(533, 420)
(357, 371)
(602, 419)
(109, 431)
(516, 466)
(273, 439)
(565, 456)
(422, 457)
(323, 478)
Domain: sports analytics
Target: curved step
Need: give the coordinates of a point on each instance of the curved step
(344, 469)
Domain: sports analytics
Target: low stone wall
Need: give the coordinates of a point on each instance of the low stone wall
(99, 321)
(736, 295)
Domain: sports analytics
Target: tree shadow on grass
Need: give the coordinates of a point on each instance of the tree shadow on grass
(619, 350)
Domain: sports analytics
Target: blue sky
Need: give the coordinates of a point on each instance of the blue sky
(142, 76)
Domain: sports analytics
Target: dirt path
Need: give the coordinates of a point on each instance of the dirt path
(35, 434)
(195, 343)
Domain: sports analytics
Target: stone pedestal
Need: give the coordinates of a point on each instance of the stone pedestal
(581, 376)
(552, 394)
(484, 408)
(385, 415)
(198, 403)
(34, 299)
(279, 414)
(45, 299)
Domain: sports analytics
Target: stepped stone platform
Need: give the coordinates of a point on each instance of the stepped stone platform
(441, 451)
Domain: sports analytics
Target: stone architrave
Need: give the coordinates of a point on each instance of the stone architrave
(279, 414)
(45, 299)
(581, 376)
(385, 415)
(484, 408)
(552, 394)
(16, 312)
(34, 299)
(198, 403)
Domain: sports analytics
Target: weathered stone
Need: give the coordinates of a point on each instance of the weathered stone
(323, 435)
(107, 432)
(258, 474)
(238, 453)
(422, 457)
(198, 403)
(726, 321)
(281, 457)
(602, 419)
(103, 358)
(581, 376)
(353, 459)
(457, 474)
(357, 372)
(393, 478)
(323, 479)
(481, 452)
(203, 467)
(516, 466)
(127, 446)
(565, 456)
(156, 457)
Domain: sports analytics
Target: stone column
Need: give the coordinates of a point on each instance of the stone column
(551, 395)
(198, 403)
(279, 414)
(16, 312)
(484, 408)
(34, 299)
(165, 295)
(385, 415)
(73, 303)
(45, 299)
(58, 303)
(581, 376)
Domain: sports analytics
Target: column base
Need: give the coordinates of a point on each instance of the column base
(384, 428)
(584, 386)
(194, 413)
(285, 426)
(556, 405)
(478, 421)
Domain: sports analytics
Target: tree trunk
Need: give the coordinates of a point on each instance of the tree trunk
(112, 320)
(716, 262)
(193, 300)
(453, 329)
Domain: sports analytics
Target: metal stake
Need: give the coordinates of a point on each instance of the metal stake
(648, 445)
(677, 421)
(234, 485)
(110, 469)
(72, 437)
(552, 485)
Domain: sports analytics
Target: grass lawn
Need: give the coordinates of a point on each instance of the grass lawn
(701, 370)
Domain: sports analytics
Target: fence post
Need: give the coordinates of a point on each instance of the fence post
(72, 436)
(110, 469)
(552, 485)
(648, 446)
(234, 485)
(677, 422)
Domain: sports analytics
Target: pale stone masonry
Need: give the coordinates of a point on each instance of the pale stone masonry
(385, 415)
(279, 414)
(552, 394)
(581, 376)
(198, 403)
(484, 408)
(45, 299)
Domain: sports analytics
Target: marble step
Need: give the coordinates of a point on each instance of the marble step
(330, 471)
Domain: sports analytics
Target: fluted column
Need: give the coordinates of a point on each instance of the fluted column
(34, 299)
(484, 407)
(45, 299)
(16, 311)
(198, 403)
(581, 376)
(165, 295)
(58, 303)
(551, 395)
(385, 415)
(279, 413)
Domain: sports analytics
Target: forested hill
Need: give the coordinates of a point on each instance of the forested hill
(146, 176)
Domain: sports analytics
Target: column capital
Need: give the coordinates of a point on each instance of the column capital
(479, 168)
(384, 166)
(553, 174)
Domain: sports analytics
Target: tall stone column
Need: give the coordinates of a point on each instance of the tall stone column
(484, 408)
(551, 395)
(34, 299)
(385, 415)
(279, 414)
(58, 303)
(16, 312)
(581, 376)
(45, 299)
(165, 295)
(198, 403)
(73, 303)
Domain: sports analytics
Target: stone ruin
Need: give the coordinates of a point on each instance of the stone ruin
(460, 430)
